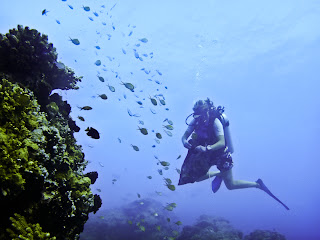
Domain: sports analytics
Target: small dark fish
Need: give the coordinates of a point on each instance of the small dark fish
(154, 101)
(135, 147)
(158, 135)
(91, 18)
(58, 21)
(162, 102)
(103, 23)
(70, 6)
(159, 72)
(164, 163)
(98, 62)
(178, 170)
(124, 51)
(139, 102)
(160, 171)
(96, 14)
(153, 146)
(97, 47)
(128, 85)
(125, 96)
(141, 59)
(75, 41)
(153, 111)
(103, 6)
(44, 12)
(129, 112)
(138, 195)
(103, 96)
(101, 78)
(136, 54)
(92, 132)
(150, 177)
(138, 45)
(111, 88)
(119, 140)
(144, 131)
(85, 108)
(98, 189)
(169, 127)
(87, 9)
(171, 187)
(81, 118)
(130, 34)
(145, 55)
(144, 40)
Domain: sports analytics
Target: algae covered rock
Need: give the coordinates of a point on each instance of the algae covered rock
(43, 191)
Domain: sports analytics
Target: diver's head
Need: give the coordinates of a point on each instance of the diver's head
(203, 108)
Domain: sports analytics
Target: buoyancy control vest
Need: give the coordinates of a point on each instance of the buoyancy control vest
(204, 131)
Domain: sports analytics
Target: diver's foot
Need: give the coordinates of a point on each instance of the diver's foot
(262, 186)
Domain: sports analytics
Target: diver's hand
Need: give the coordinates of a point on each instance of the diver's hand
(186, 144)
(200, 149)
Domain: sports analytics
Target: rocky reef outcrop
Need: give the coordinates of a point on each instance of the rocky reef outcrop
(144, 219)
(210, 228)
(44, 193)
(264, 235)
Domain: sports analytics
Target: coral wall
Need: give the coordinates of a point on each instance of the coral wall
(44, 193)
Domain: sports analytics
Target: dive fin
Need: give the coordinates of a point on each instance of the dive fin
(216, 182)
(264, 188)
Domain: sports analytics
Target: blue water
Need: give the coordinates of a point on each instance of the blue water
(258, 59)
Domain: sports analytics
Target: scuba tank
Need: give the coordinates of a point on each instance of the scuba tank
(226, 127)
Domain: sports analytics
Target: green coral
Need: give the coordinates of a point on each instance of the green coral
(20, 229)
(19, 117)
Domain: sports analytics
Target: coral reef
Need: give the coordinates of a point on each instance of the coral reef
(28, 57)
(264, 235)
(41, 167)
(210, 228)
(145, 219)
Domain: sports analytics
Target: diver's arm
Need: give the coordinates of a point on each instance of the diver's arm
(186, 134)
(219, 144)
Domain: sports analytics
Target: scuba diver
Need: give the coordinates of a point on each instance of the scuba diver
(210, 144)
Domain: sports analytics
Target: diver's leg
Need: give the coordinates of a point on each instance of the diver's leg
(208, 175)
(236, 184)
